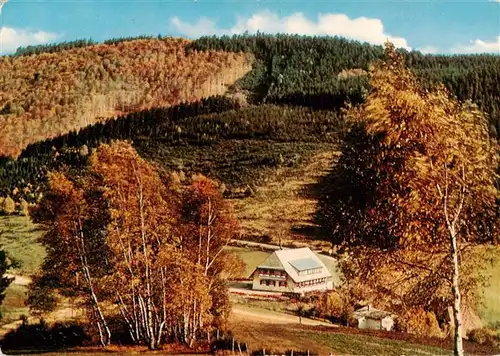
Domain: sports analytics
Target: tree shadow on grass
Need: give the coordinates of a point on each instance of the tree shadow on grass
(347, 194)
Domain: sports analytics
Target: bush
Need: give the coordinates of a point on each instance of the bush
(43, 336)
(330, 304)
(8, 206)
(334, 306)
(484, 336)
(419, 322)
(23, 208)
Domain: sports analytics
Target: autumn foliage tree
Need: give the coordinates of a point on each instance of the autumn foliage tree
(160, 265)
(76, 259)
(384, 202)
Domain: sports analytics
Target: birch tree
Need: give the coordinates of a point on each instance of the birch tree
(161, 261)
(76, 258)
(452, 208)
(383, 203)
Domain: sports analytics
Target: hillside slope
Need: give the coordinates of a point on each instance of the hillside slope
(49, 94)
(323, 72)
(239, 147)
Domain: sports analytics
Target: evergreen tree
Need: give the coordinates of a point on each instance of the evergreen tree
(5, 281)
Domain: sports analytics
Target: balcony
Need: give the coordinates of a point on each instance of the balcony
(273, 274)
(274, 277)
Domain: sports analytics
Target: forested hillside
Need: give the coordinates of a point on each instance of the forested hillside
(239, 146)
(297, 88)
(49, 94)
(324, 72)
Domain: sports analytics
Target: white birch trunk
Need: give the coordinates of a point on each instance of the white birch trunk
(457, 314)
(452, 223)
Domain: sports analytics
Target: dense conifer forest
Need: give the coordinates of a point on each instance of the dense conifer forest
(326, 71)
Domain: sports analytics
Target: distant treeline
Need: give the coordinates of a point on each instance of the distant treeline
(214, 136)
(319, 71)
(62, 46)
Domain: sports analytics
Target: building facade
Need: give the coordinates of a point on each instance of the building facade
(375, 319)
(292, 270)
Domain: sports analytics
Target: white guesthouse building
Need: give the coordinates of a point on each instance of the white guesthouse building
(293, 270)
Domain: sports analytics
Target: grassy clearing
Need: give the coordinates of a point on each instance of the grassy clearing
(251, 258)
(260, 305)
(20, 240)
(490, 310)
(284, 207)
(277, 337)
(369, 345)
(13, 305)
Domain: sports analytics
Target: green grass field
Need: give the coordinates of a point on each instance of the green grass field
(19, 238)
(251, 258)
(13, 305)
(279, 338)
(369, 345)
(490, 310)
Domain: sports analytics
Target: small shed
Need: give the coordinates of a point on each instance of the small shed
(376, 319)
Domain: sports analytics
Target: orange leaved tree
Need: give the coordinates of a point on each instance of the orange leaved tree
(417, 174)
(159, 263)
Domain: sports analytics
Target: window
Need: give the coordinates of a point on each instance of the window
(262, 282)
(283, 284)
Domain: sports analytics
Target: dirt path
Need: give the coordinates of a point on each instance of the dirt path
(19, 280)
(22, 281)
(240, 312)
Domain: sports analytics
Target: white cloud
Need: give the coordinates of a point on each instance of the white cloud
(11, 38)
(203, 27)
(478, 46)
(428, 50)
(362, 28)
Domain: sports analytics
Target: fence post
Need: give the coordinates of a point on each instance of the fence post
(232, 348)
(217, 334)
(291, 353)
(307, 352)
(263, 352)
(239, 348)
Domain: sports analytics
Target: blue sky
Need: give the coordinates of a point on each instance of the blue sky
(434, 26)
